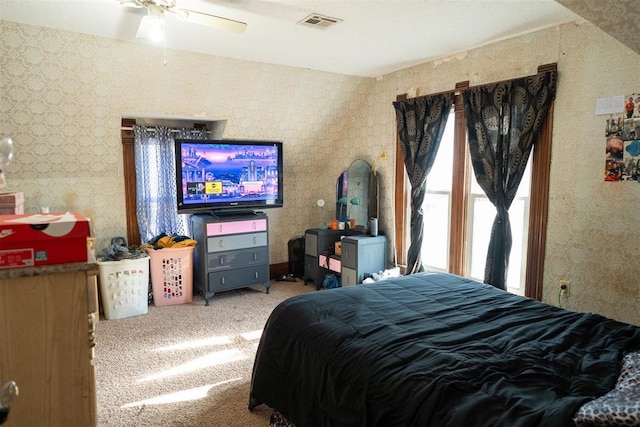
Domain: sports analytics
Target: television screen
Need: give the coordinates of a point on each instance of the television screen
(222, 175)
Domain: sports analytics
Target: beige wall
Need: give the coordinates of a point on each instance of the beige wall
(63, 95)
(593, 238)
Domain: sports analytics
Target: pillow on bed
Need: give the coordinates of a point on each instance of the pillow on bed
(621, 406)
(630, 373)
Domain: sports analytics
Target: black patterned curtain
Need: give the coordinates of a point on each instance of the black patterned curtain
(503, 121)
(421, 122)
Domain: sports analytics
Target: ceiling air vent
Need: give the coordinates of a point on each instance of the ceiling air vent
(319, 21)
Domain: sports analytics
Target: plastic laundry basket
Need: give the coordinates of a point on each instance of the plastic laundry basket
(124, 287)
(171, 275)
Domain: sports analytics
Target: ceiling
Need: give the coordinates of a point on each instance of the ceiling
(375, 37)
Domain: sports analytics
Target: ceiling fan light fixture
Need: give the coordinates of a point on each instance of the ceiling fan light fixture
(152, 25)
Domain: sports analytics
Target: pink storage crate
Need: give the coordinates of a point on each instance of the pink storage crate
(171, 275)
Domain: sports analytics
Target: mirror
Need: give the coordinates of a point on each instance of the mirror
(353, 195)
(341, 194)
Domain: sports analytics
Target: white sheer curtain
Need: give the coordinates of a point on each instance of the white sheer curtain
(155, 180)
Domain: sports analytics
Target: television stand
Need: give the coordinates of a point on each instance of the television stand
(232, 252)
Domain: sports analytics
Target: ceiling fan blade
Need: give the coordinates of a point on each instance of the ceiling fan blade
(210, 20)
(131, 3)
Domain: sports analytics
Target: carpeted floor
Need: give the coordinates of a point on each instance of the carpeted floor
(186, 364)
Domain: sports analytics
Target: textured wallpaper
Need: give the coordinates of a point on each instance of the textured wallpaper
(620, 18)
(594, 226)
(63, 94)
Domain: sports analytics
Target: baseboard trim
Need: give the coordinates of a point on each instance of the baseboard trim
(278, 270)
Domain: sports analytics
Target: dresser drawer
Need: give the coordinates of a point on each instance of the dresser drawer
(330, 263)
(235, 227)
(239, 258)
(349, 277)
(230, 279)
(311, 268)
(349, 254)
(239, 241)
(311, 244)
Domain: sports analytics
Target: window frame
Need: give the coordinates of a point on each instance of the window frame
(215, 128)
(129, 170)
(460, 193)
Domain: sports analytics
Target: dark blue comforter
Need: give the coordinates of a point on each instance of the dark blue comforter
(433, 349)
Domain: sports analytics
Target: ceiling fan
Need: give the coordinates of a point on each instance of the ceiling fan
(153, 22)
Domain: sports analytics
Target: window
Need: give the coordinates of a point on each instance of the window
(437, 219)
(458, 216)
(155, 163)
(156, 186)
(437, 204)
(481, 216)
(215, 129)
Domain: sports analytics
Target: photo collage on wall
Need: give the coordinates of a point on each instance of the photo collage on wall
(623, 142)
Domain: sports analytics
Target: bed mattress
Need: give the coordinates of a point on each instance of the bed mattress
(433, 349)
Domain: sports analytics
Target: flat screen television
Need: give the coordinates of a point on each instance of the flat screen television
(225, 176)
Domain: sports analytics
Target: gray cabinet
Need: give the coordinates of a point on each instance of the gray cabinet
(361, 255)
(232, 252)
(318, 242)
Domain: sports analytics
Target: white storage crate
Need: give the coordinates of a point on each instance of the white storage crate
(124, 287)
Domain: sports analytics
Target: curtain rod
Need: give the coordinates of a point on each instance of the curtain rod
(174, 130)
(461, 86)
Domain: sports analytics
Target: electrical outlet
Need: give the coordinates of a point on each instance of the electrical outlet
(565, 286)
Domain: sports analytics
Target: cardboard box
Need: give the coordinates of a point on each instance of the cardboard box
(12, 203)
(29, 240)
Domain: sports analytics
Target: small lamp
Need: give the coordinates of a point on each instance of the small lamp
(320, 204)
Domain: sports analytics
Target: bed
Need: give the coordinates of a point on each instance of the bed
(434, 349)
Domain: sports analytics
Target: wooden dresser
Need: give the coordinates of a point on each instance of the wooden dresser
(47, 325)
